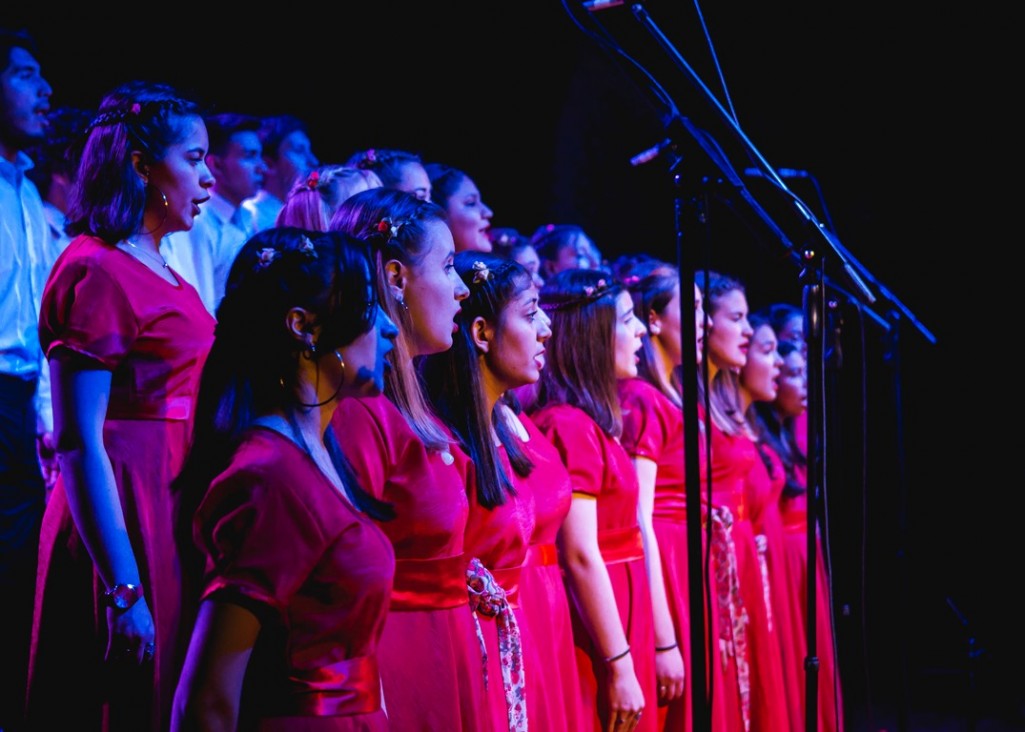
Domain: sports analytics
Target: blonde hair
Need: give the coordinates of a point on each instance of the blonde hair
(313, 200)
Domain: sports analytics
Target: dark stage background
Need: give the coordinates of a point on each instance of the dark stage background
(867, 97)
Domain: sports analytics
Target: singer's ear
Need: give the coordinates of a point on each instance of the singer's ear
(140, 165)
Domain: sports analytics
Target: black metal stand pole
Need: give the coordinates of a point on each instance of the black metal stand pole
(814, 318)
(701, 645)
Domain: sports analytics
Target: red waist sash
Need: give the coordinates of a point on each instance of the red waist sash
(508, 578)
(541, 555)
(429, 584)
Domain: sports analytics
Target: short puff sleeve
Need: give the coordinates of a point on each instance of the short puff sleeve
(85, 310)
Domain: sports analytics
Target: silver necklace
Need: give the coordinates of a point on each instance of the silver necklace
(159, 258)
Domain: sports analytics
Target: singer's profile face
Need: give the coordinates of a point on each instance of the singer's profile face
(731, 332)
(761, 370)
(792, 397)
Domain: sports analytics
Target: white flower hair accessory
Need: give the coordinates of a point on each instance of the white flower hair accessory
(481, 273)
(266, 256)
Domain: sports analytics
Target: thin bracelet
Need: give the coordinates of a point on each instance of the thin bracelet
(663, 649)
(613, 659)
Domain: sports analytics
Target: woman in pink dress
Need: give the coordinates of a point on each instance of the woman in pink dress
(653, 436)
(595, 339)
(430, 656)
(125, 337)
(296, 577)
(778, 424)
(734, 455)
(759, 384)
(500, 347)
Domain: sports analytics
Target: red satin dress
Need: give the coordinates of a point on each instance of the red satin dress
(281, 540)
(762, 692)
(764, 490)
(499, 537)
(794, 511)
(600, 467)
(553, 686)
(153, 336)
(429, 654)
(653, 429)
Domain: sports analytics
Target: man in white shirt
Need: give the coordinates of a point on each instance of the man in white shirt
(288, 154)
(204, 254)
(27, 253)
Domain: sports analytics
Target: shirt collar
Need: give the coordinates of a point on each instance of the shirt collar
(13, 172)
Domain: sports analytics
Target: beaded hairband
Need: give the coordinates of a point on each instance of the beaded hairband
(116, 116)
(590, 293)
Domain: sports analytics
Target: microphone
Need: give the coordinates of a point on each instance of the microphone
(781, 172)
(651, 153)
(594, 6)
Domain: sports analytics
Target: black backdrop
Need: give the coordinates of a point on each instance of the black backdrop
(868, 100)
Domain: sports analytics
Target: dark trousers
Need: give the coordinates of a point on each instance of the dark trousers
(22, 498)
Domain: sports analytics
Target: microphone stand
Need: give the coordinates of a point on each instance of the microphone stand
(817, 240)
(812, 263)
(702, 647)
(814, 318)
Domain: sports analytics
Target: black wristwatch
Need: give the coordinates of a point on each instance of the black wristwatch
(122, 597)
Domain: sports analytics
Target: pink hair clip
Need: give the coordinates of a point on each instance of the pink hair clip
(266, 256)
(313, 180)
(597, 288)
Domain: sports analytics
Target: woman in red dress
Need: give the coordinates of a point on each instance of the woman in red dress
(778, 424)
(734, 455)
(403, 455)
(500, 347)
(296, 577)
(125, 338)
(759, 384)
(595, 339)
(653, 436)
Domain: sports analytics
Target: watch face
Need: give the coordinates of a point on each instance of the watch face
(123, 597)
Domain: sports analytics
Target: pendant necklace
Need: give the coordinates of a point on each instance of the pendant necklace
(159, 258)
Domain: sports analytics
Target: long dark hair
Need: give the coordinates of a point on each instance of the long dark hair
(581, 363)
(250, 370)
(108, 198)
(723, 390)
(455, 382)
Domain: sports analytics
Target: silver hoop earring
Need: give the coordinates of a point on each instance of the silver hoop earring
(164, 217)
(341, 383)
